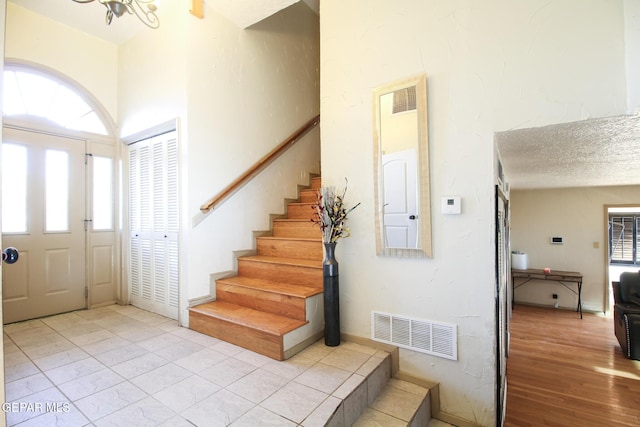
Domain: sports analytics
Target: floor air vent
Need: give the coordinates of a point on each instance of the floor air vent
(438, 339)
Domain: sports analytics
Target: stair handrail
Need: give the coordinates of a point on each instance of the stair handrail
(257, 167)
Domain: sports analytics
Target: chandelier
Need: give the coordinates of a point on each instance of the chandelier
(145, 10)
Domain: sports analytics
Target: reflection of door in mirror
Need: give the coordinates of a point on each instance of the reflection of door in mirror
(400, 180)
(399, 137)
(403, 217)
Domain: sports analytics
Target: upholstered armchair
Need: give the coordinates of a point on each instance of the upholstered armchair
(626, 313)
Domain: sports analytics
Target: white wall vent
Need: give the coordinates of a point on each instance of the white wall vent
(436, 338)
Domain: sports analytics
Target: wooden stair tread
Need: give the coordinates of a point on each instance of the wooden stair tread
(301, 239)
(294, 220)
(310, 204)
(288, 289)
(287, 261)
(259, 320)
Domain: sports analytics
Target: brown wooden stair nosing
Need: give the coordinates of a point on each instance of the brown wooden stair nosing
(310, 205)
(300, 220)
(289, 289)
(302, 239)
(304, 222)
(259, 320)
(297, 262)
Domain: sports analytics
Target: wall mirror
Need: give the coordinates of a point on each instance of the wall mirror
(401, 168)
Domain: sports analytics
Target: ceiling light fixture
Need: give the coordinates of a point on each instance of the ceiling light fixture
(145, 10)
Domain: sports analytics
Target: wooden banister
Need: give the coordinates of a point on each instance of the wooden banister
(259, 165)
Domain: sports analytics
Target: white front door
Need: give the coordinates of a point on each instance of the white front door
(401, 214)
(43, 215)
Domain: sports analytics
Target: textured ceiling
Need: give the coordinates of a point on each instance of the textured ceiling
(595, 152)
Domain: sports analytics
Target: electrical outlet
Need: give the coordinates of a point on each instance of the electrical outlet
(555, 296)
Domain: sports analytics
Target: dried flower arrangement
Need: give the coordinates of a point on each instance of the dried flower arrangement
(331, 214)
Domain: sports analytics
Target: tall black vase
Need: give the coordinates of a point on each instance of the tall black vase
(331, 296)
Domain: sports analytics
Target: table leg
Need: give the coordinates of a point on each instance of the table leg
(580, 298)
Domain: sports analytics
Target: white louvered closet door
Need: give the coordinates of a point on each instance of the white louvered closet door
(154, 224)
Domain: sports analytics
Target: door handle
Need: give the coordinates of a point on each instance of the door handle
(413, 216)
(10, 255)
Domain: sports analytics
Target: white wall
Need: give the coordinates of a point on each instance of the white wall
(248, 90)
(238, 93)
(578, 215)
(491, 66)
(152, 77)
(91, 62)
(632, 45)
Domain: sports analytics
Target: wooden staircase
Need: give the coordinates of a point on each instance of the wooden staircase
(274, 304)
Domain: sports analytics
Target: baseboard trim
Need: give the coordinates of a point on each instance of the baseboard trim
(104, 304)
(301, 346)
(200, 300)
(562, 307)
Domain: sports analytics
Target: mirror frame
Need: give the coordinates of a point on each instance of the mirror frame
(420, 82)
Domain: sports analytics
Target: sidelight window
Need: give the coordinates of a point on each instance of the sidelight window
(102, 193)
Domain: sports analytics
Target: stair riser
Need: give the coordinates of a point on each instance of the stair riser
(301, 211)
(299, 249)
(308, 196)
(280, 272)
(256, 299)
(305, 230)
(316, 182)
(251, 339)
(265, 315)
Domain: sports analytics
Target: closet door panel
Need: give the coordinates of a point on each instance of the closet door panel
(154, 225)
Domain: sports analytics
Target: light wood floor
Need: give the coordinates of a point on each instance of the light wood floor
(563, 371)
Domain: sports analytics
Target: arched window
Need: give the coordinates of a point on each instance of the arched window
(31, 94)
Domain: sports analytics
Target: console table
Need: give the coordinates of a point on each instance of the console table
(562, 277)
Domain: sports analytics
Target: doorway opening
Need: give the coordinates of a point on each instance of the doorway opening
(623, 244)
(59, 204)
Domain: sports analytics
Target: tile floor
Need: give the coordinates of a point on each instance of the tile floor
(122, 366)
